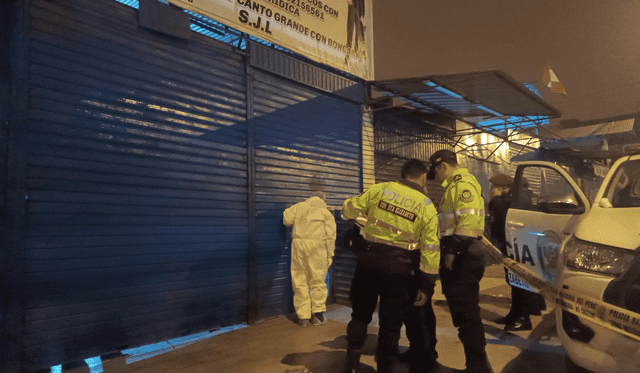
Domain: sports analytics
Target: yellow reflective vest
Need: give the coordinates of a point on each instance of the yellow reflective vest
(461, 211)
(396, 213)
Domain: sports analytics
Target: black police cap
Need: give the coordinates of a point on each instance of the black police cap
(438, 157)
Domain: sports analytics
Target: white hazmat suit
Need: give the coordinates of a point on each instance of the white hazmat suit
(312, 249)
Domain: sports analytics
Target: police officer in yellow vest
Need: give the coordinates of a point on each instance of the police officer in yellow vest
(399, 225)
(461, 219)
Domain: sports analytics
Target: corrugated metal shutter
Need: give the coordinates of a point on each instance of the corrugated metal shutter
(396, 142)
(344, 267)
(136, 182)
(368, 151)
(305, 141)
(388, 169)
(345, 264)
(5, 89)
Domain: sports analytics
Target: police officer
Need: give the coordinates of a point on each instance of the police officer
(399, 226)
(461, 219)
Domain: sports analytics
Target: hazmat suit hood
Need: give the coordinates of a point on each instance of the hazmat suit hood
(316, 202)
(311, 220)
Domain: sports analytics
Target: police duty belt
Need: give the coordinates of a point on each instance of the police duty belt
(605, 314)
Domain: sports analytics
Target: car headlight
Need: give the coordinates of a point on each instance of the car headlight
(598, 258)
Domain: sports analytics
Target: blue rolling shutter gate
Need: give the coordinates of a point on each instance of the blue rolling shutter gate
(156, 170)
(305, 141)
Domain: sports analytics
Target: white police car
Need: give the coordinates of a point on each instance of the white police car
(578, 227)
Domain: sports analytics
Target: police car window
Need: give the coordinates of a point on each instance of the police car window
(539, 187)
(591, 183)
(590, 186)
(624, 187)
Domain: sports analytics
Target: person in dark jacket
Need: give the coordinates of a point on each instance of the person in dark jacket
(498, 205)
(523, 302)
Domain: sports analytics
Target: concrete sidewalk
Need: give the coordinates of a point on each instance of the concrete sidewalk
(279, 345)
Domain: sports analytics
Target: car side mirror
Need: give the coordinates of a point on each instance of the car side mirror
(557, 203)
(605, 203)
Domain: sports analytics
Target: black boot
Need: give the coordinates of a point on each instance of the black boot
(419, 360)
(480, 366)
(407, 356)
(353, 361)
(519, 324)
(385, 365)
(511, 317)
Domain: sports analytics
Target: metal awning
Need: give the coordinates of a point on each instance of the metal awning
(491, 101)
(608, 138)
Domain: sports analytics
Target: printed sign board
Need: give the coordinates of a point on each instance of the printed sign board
(338, 33)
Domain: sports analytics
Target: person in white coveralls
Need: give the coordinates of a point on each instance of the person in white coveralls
(312, 249)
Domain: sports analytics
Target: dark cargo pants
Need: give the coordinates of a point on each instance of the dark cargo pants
(461, 288)
(379, 275)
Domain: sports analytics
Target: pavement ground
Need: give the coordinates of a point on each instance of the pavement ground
(280, 345)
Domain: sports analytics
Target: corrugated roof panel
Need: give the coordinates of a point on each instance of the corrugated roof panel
(496, 90)
(489, 99)
(625, 126)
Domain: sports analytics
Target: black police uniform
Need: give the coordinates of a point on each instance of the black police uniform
(461, 218)
(420, 327)
(385, 269)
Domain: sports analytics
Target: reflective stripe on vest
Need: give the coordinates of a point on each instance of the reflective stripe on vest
(371, 221)
(406, 246)
(466, 211)
(429, 247)
(470, 211)
(428, 268)
(407, 236)
(469, 232)
(430, 251)
(449, 221)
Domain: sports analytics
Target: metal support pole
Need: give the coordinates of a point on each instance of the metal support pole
(252, 291)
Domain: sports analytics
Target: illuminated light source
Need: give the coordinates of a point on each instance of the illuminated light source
(503, 148)
(469, 141)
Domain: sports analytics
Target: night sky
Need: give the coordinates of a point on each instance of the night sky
(593, 46)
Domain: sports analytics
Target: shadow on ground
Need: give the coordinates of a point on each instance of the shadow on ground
(330, 361)
(333, 361)
(537, 354)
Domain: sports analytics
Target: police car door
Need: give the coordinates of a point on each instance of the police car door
(547, 204)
